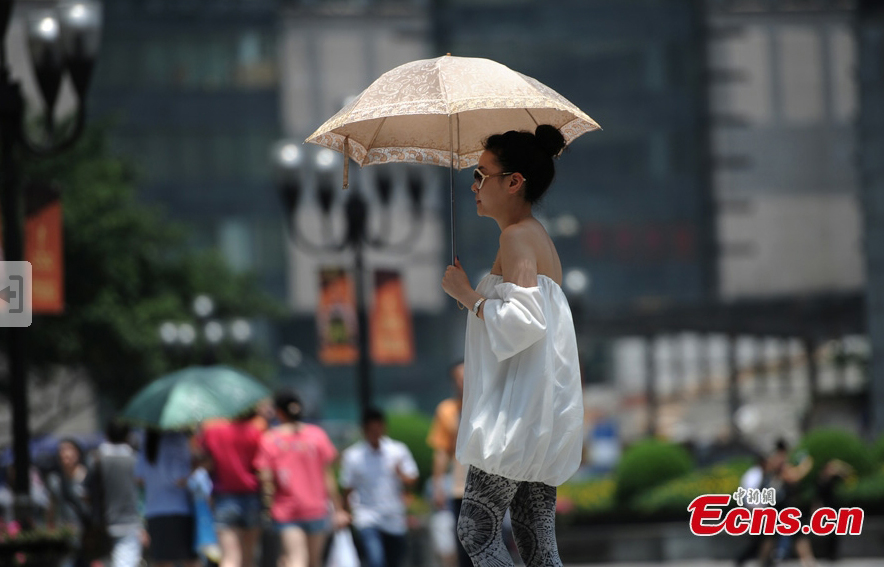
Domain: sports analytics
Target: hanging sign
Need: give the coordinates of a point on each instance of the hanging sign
(336, 320)
(392, 337)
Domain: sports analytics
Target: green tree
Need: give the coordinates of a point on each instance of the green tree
(128, 269)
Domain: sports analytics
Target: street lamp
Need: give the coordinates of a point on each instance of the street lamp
(181, 338)
(293, 165)
(65, 39)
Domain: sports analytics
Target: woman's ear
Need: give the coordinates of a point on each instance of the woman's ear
(516, 183)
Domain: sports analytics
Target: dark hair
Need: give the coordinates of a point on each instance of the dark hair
(372, 414)
(529, 154)
(152, 445)
(288, 402)
(117, 432)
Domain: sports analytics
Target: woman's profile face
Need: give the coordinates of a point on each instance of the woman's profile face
(493, 185)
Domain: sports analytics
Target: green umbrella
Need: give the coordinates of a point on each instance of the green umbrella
(184, 398)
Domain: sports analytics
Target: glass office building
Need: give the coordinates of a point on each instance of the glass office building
(639, 190)
(870, 26)
(192, 90)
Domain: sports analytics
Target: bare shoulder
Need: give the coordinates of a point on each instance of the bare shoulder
(517, 241)
(521, 234)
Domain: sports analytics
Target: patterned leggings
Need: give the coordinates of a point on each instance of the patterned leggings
(532, 509)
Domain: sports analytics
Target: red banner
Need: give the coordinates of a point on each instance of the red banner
(43, 249)
(336, 320)
(392, 339)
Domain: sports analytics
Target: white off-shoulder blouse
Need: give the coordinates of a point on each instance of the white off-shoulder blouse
(522, 412)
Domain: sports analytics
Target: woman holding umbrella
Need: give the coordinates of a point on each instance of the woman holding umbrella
(522, 418)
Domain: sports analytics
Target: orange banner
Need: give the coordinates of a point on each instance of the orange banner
(43, 245)
(336, 320)
(43, 249)
(392, 339)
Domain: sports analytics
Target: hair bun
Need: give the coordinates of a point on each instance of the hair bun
(550, 139)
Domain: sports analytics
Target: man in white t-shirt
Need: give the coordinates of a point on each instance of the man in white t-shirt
(753, 479)
(374, 475)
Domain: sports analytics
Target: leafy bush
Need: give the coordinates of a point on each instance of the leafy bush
(878, 450)
(825, 444)
(588, 497)
(647, 464)
(867, 492)
(412, 429)
(673, 497)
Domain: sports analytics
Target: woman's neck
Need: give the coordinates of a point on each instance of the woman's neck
(514, 216)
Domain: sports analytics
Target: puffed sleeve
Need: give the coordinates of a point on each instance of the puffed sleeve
(515, 321)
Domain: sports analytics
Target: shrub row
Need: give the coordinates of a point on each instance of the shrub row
(657, 480)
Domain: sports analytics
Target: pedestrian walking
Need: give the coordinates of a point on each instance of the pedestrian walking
(228, 449)
(294, 462)
(113, 495)
(521, 432)
(753, 479)
(68, 504)
(164, 465)
(374, 475)
(449, 476)
(833, 473)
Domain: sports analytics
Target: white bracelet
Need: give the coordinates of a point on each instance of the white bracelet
(477, 305)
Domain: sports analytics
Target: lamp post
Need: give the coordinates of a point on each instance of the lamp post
(293, 166)
(205, 334)
(63, 39)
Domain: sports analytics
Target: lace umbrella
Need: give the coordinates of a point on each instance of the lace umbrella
(439, 111)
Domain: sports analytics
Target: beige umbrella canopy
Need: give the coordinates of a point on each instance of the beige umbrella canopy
(439, 111)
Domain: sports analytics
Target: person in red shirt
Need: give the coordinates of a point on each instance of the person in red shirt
(229, 448)
(294, 462)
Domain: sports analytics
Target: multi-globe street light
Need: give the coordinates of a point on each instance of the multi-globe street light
(294, 165)
(203, 335)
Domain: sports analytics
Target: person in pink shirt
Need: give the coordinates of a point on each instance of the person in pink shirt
(228, 448)
(294, 462)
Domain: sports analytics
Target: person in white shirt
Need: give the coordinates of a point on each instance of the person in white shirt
(521, 430)
(374, 475)
(753, 478)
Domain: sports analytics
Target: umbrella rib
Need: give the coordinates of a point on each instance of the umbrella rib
(532, 117)
(374, 136)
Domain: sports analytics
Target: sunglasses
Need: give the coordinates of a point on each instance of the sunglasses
(479, 177)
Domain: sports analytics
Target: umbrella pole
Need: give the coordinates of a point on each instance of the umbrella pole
(451, 186)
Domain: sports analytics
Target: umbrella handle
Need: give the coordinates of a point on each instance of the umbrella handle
(451, 191)
(451, 185)
(453, 231)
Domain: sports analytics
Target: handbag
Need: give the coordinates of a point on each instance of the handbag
(95, 541)
(343, 550)
(442, 532)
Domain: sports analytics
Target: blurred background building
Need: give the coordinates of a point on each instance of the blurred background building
(870, 40)
(193, 92)
(713, 233)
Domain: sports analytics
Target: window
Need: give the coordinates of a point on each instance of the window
(255, 64)
(235, 240)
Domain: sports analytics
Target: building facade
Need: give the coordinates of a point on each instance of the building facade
(631, 205)
(784, 102)
(192, 90)
(870, 28)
